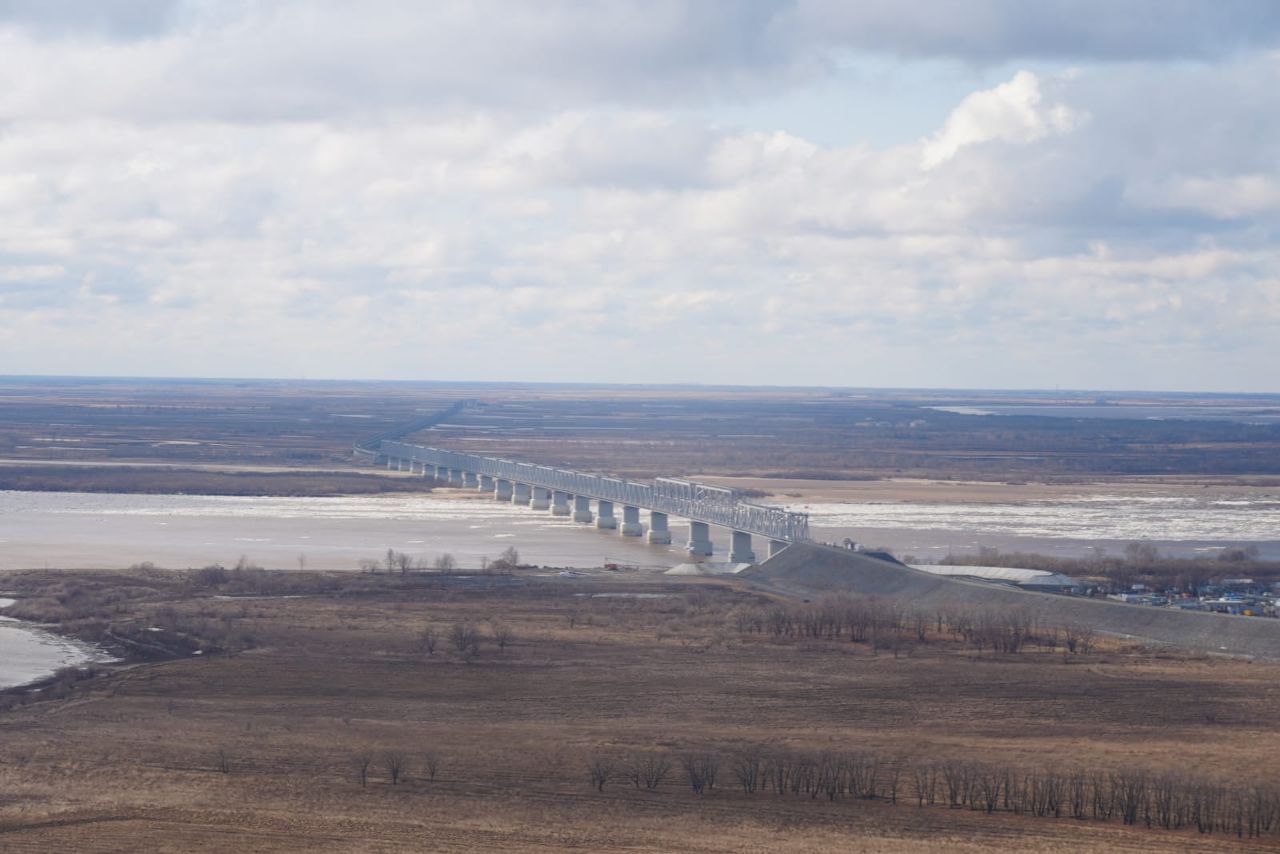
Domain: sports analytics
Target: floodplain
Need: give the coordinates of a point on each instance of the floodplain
(461, 712)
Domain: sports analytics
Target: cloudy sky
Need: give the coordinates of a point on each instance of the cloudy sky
(967, 193)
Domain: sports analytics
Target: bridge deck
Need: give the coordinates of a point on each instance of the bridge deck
(699, 502)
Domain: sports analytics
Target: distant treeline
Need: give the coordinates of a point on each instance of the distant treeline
(886, 624)
(1135, 797)
(1140, 562)
(164, 481)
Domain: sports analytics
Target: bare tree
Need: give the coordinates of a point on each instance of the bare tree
(465, 638)
(362, 763)
(502, 634)
(395, 764)
(431, 765)
(747, 767)
(427, 640)
(509, 559)
(601, 770)
(446, 563)
(404, 562)
(648, 769)
(701, 769)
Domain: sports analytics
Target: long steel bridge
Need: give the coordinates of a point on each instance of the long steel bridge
(549, 488)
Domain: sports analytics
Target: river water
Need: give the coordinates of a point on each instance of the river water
(28, 653)
(81, 530)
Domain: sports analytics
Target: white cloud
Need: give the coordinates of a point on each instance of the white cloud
(1013, 112)
(1224, 197)
(230, 197)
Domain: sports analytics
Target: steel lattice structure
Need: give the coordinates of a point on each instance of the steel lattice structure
(699, 502)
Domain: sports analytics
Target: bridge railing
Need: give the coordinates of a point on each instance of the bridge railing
(700, 502)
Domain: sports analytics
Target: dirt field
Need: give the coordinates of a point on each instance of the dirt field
(257, 750)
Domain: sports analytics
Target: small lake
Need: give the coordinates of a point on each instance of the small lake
(28, 653)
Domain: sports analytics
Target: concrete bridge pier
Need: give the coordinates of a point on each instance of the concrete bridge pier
(559, 503)
(471, 479)
(581, 508)
(390, 462)
(521, 494)
(486, 483)
(502, 490)
(604, 516)
(776, 546)
(541, 498)
(741, 551)
(699, 540)
(442, 474)
(631, 522)
(428, 471)
(659, 533)
(455, 477)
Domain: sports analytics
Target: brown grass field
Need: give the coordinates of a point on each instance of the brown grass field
(255, 749)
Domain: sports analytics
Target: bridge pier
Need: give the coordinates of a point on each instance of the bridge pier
(581, 508)
(741, 551)
(521, 494)
(559, 503)
(699, 540)
(502, 490)
(631, 522)
(541, 498)
(486, 483)
(442, 474)
(471, 479)
(659, 533)
(605, 518)
(455, 477)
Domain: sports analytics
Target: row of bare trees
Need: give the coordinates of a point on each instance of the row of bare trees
(394, 766)
(1134, 797)
(466, 638)
(403, 563)
(871, 620)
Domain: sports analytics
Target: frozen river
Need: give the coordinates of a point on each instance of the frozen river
(79, 530)
(1179, 524)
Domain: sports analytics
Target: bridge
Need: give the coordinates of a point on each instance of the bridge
(558, 490)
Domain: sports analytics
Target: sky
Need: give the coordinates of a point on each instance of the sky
(966, 193)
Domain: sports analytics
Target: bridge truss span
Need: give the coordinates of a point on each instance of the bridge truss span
(698, 502)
